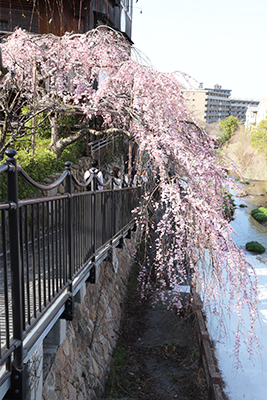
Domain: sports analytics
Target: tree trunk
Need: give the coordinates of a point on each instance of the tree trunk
(3, 132)
(130, 157)
(54, 131)
(61, 144)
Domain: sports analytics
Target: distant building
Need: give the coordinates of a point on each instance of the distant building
(214, 104)
(239, 107)
(251, 115)
(58, 17)
(255, 115)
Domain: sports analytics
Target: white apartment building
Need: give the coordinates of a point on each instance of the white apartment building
(214, 104)
(239, 107)
(255, 115)
(208, 104)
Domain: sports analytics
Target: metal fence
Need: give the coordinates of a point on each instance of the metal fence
(49, 247)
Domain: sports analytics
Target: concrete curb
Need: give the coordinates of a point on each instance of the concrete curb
(213, 377)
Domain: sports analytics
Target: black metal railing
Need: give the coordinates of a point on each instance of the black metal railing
(49, 246)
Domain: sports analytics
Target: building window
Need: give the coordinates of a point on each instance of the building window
(128, 5)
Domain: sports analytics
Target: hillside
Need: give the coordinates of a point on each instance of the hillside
(246, 158)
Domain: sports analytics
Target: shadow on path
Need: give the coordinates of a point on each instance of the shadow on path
(157, 356)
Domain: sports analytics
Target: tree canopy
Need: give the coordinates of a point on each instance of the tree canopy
(93, 74)
(227, 126)
(259, 137)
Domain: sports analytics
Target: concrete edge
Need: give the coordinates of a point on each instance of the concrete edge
(213, 376)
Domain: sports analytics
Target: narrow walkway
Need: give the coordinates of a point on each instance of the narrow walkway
(157, 356)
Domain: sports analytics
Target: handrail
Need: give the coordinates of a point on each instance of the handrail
(39, 186)
(8, 205)
(40, 200)
(91, 177)
(105, 184)
(4, 168)
(82, 184)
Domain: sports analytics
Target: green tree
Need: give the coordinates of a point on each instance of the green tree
(259, 137)
(227, 126)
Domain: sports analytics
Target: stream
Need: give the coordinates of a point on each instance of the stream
(246, 227)
(250, 381)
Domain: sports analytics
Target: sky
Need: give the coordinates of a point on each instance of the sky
(214, 41)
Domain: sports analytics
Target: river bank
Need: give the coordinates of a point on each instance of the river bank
(251, 165)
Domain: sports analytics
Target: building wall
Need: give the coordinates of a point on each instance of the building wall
(217, 104)
(17, 14)
(261, 112)
(195, 103)
(59, 17)
(126, 17)
(208, 105)
(255, 115)
(251, 115)
(239, 107)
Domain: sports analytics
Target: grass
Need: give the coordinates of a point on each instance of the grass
(229, 206)
(42, 165)
(260, 214)
(255, 247)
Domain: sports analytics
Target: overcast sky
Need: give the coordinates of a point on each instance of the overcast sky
(215, 41)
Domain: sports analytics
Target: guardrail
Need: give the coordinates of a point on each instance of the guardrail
(49, 247)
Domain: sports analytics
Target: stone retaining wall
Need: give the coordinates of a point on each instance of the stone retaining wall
(78, 170)
(77, 369)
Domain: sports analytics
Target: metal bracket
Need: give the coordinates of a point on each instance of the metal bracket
(128, 236)
(92, 276)
(109, 257)
(68, 313)
(18, 384)
(120, 244)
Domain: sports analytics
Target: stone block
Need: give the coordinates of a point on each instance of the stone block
(34, 367)
(56, 336)
(81, 294)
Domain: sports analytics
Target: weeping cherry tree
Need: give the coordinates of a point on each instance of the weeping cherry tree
(93, 74)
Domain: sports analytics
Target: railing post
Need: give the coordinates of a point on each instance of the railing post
(18, 387)
(69, 306)
(112, 208)
(92, 276)
(94, 181)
